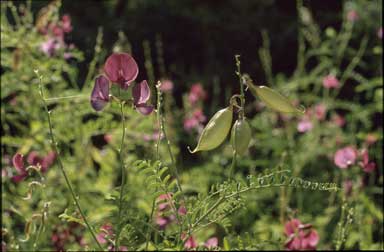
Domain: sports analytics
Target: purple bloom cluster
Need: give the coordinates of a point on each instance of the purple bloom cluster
(121, 69)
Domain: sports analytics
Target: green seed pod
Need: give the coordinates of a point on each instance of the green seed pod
(241, 136)
(215, 131)
(273, 99)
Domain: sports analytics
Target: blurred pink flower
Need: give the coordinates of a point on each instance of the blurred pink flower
(50, 46)
(190, 242)
(352, 16)
(304, 125)
(299, 236)
(166, 86)
(380, 33)
(211, 243)
(66, 23)
(18, 163)
(67, 55)
(320, 111)
(33, 159)
(330, 81)
(338, 120)
(182, 210)
(345, 157)
(106, 232)
(196, 93)
(108, 138)
(365, 164)
(195, 121)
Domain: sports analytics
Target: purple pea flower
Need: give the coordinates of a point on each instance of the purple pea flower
(141, 94)
(100, 93)
(121, 68)
(18, 163)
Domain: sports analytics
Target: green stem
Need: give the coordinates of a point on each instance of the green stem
(122, 169)
(54, 145)
(233, 165)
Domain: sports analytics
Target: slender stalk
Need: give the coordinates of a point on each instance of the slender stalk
(122, 165)
(122, 158)
(233, 165)
(54, 146)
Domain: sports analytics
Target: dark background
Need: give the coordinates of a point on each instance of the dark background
(199, 37)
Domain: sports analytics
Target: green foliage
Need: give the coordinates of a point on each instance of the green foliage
(244, 201)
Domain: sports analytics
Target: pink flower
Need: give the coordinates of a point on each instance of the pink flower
(195, 121)
(18, 163)
(50, 46)
(352, 16)
(320, 111)
(338, 120)
(166, 86)
(66, 23)
(197, 93)
(190, 243)
(345, 157)
(365, 164)
(211, 243)
(299, 236)
(100, 93)
(182, 210)
(121, 68)
(380, 33)
(106, 232)
(304, 125)
(108, 138)
(330, 81)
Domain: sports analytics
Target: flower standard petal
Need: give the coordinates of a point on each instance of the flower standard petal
(141, 92)
(100, 93)
(121, 68)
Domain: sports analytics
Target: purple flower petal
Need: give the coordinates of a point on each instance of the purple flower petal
(141, 92)
(18, 178)
(100, 93)
(17, 161)
(34, 158)
(48, 161)
(121, 68)
(144, 109)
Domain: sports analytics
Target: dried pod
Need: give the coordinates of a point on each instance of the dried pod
(241, 136)
(215, 131)
(274, 99)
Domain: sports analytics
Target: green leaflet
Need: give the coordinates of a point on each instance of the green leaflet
(215, 131)
(241, 136)
(274, 100)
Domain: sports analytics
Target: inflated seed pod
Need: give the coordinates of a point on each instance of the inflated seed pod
(240, 136)
(215, 131)
(273, 99)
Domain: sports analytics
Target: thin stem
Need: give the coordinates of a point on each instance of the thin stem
(122, 169)
(54, 145)
(233, 165)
